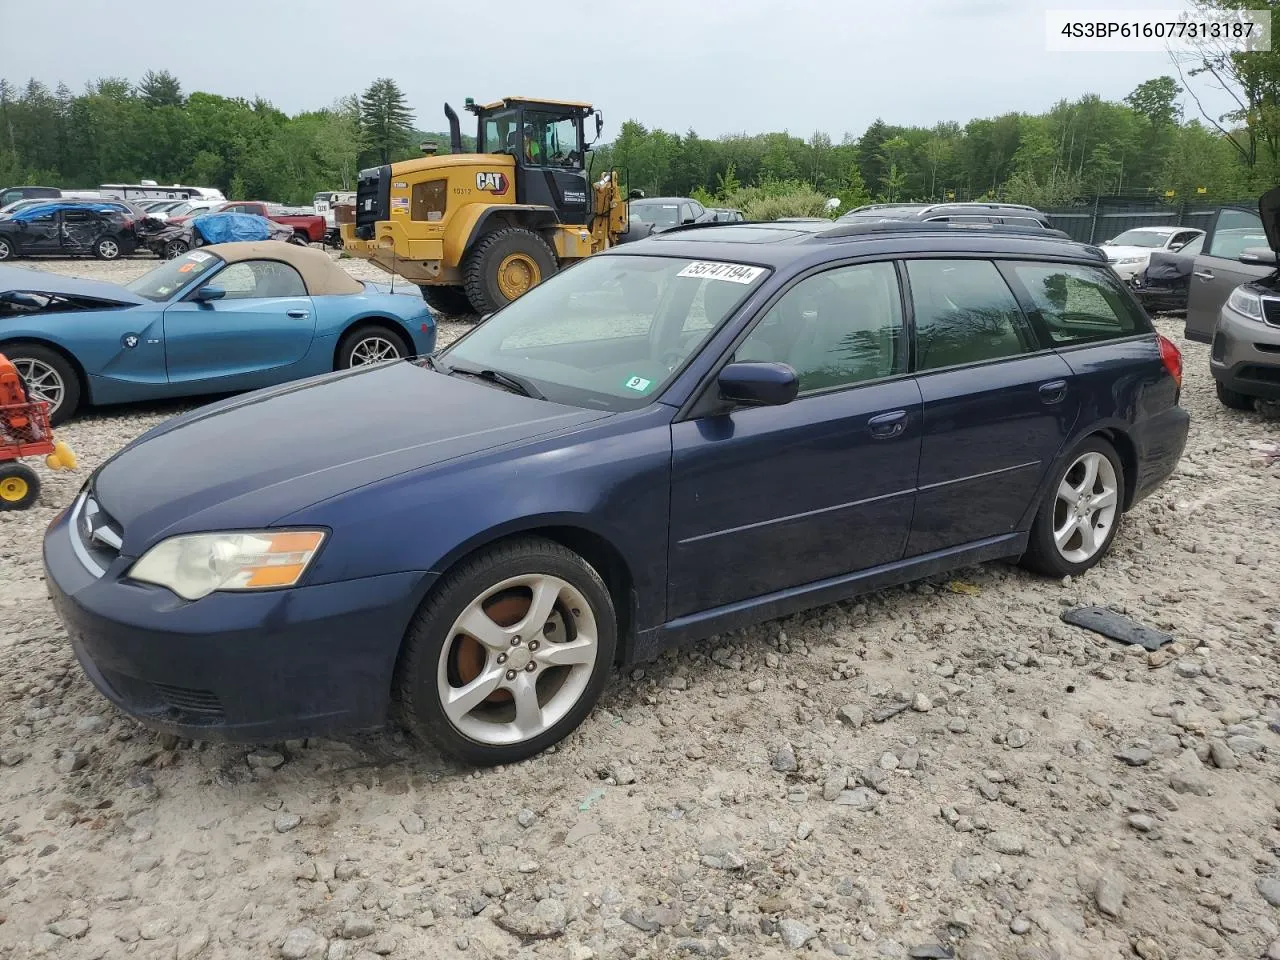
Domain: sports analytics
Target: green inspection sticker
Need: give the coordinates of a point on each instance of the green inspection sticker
(638, 384)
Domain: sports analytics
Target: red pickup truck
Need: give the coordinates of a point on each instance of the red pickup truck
(307, 227)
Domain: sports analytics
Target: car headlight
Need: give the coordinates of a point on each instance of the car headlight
(195, 565)
(1245, 303)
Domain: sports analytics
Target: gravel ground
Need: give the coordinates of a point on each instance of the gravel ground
(945, 767)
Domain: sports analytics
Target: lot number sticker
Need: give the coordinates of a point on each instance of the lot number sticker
(639, 384)
(711, 270)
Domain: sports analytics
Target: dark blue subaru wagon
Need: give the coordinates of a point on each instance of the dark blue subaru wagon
(678, 437)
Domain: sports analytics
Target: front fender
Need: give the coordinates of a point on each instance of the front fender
(610, 479)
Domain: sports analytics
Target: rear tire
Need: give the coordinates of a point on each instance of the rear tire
(19, 486)
(48, 377)
(371, 343)
(300, 239)
(504, 265)
(1078, 519)
(174, 249)
(450, 301)
(1233, 399)
(8, 249)
(536, 680)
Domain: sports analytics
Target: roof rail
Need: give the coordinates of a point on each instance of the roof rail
(980, 204)
(883, 206)
(926, 226)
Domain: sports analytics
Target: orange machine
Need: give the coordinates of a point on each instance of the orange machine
(24, 432)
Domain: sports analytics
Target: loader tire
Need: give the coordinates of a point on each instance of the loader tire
(449, 301)
(504, 265)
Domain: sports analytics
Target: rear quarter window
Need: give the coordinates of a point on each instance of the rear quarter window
(1077, 303)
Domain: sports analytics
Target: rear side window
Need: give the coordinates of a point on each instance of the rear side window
(964, 313)
(1078, 304)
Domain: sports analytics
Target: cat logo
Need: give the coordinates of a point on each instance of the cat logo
(495, 183)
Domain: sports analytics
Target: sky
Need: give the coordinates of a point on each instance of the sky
(727, 66)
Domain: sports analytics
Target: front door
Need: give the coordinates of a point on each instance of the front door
(264, 324)
(766, 498)
(550, 171)
(1218, 270)
(995, 412)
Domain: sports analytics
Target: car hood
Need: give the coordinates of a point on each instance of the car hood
(1269, 211)
(251, 460)
(39, 281)
(1119, 253)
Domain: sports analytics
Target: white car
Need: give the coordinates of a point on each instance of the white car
(1129, 253)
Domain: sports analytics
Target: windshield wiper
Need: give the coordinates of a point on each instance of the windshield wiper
(512, 382)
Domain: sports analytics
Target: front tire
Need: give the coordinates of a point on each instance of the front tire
(506, 265)
(300, 239)
(508, 654)
(48, 377)
(174, 249)
(19, 486)
(1233, 399)
(450, 301)
(372, 343)
(1080, 514)
(107, 248)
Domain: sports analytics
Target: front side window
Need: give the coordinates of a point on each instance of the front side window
(550, 140)
(964, 313)
(174, 275)
(1235, 232)
(260, 278)
(835, 329)
(611, 331)
(1078, 304)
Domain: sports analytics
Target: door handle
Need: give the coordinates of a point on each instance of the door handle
(298, 314)
(1053, 391)
(1204, 274)
(888, 425)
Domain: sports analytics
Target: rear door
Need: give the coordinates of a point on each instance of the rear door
(39, 234)
(1218, 270)
(997, 404)
(78, 229)
(262, 327)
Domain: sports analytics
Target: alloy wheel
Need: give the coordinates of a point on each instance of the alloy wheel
(43, 382)
(517, 659)
(373, 349)
(1084, 510)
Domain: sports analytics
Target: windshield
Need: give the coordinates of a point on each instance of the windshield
(659, 214)
(609, 332)
(172, 275)
(1138, 238)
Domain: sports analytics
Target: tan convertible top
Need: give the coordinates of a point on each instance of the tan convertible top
(321, 275)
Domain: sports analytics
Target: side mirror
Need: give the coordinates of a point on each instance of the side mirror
(758, 384)
(1259, 256)
(635, 194)
(210, 292)
(687, 220)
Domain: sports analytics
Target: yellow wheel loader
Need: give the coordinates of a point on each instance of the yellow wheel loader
(477, 230)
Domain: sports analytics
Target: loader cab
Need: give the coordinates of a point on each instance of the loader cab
(547, 139)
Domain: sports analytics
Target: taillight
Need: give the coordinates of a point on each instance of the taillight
(1171, 357)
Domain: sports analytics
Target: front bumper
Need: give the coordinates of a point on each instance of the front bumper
(1245, 356)
(1127, 271)
(249, 667)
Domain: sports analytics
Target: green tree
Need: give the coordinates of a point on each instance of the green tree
(160, 89)
(386, 122)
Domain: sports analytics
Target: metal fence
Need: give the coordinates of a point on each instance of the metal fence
(1103, 220)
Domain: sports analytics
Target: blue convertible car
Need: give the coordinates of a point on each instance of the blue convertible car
(224, 318)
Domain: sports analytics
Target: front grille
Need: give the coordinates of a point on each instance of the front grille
(373, 200)
(201, 704)
(97, 537)
(1271, 311)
